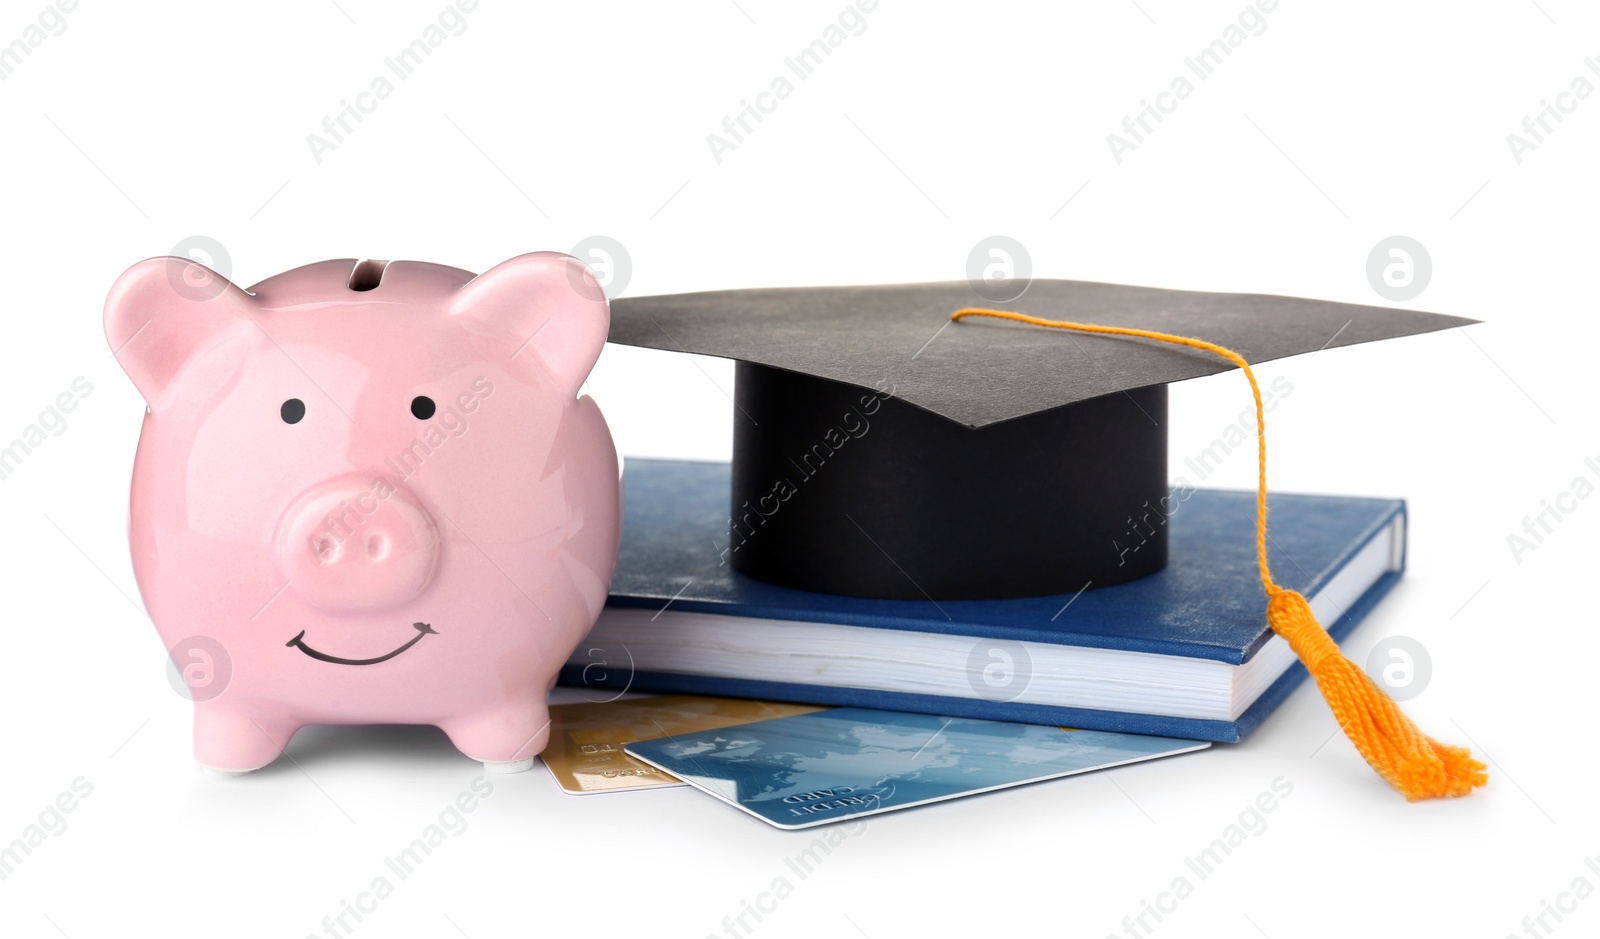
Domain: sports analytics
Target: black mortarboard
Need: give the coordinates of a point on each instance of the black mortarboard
(882, 451)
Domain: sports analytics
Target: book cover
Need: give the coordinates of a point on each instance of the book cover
(1205, 604)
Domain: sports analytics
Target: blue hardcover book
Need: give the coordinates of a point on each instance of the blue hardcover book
(1185, 652)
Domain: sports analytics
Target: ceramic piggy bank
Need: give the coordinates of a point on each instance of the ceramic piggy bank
(369, 493)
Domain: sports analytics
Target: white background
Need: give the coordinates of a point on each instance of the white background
(541, 125)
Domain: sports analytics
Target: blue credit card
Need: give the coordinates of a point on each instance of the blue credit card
(829, 766)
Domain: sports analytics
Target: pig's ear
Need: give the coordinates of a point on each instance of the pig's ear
(161, 312)
(544, 307)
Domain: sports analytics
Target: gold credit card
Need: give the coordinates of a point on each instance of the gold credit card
(586, 739)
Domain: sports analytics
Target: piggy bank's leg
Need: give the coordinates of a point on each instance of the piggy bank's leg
(230, 741)
(504, 740)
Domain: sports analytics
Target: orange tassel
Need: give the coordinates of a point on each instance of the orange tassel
(1414, 763)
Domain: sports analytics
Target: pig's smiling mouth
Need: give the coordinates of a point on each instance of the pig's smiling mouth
(423, 629)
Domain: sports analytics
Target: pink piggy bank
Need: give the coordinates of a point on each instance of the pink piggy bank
(369, 493)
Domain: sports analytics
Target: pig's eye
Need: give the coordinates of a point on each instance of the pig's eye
(292, 410)
(422, 407)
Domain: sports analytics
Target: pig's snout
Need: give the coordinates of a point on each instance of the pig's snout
(357, 543)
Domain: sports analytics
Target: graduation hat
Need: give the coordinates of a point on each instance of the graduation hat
(994, 464)
(881, 451)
